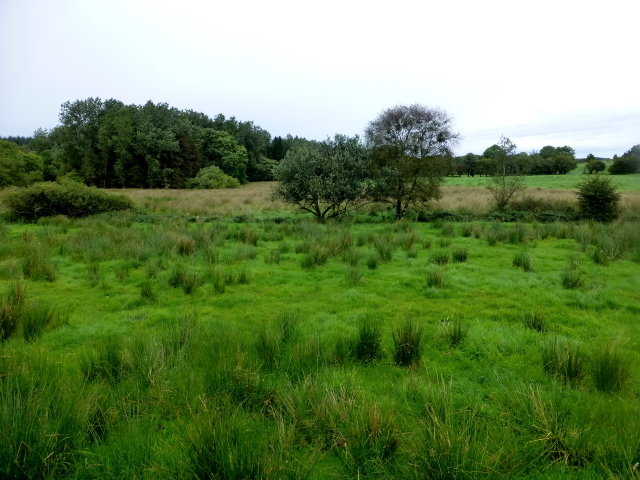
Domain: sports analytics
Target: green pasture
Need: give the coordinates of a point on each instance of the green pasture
(625, 183)
(269, 349)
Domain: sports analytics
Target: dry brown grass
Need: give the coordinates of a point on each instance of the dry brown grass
(251, 198)
(256, 198)
(478, 199)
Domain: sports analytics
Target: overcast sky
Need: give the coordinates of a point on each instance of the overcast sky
(549, 72)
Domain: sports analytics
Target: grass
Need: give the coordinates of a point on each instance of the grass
(225, 358)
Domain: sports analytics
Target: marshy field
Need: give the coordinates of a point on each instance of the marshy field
(220, 335)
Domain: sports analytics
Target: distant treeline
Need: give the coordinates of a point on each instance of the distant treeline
(110, 144)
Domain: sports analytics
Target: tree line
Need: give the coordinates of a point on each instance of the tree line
(109, 144)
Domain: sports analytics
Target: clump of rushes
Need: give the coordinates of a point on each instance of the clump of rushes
(384, 246)
(435, 277)
(354, 274)
(366, 345)
(147, 289)
(460, 255)
(37, 316)
(407, 343)
(522, 260)
(439, 257)
(11, 309)
(36, 264)
(611, 367)
(535, 320)
(453, 332)
(571, 277)
(563, 360)
(372, 261)
(448, 230)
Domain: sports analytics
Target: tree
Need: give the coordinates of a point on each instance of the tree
(594, 166)
(598, 199)
(629, 162)
(509, 176)
(326, 178)
(411, 151)
(18, 168)
(222, 150)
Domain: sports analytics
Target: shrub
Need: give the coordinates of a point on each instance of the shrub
(68, 198)
(598, 199)
(212, 177)
(407, 343)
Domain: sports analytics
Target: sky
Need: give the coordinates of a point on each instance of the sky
(549, 72)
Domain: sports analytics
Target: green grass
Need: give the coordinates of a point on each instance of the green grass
(570, 181)
(283, 349)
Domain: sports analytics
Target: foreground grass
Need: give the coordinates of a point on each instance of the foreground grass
(283, 348)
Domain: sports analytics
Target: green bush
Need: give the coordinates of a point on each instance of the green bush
(212, 177)
(598, 199)
(47, 199)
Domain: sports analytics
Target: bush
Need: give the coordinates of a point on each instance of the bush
(598, 199)
(47, 199)
(212, 177)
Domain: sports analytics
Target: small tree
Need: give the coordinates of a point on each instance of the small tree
(595, 166)
(412, 147)
(509, 176)
(326, 178)
(598, 199)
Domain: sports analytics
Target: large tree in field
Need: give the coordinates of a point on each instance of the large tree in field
(411, 152)
(326, 178)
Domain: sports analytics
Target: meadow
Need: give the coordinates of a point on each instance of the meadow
(220, 335)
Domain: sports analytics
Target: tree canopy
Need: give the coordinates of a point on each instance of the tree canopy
(110, 144)
(412, 148)
(325, 178)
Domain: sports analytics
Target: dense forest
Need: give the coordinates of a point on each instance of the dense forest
(109, 144)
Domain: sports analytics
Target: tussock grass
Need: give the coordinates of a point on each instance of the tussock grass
(523, 260)
(563, 359)
(453, 331)
(435, 277)
(366, 344)
(611, 368)
(407, 343)
(460, 254)
(535, 320)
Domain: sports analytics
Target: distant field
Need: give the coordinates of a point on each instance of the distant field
(625, 183)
